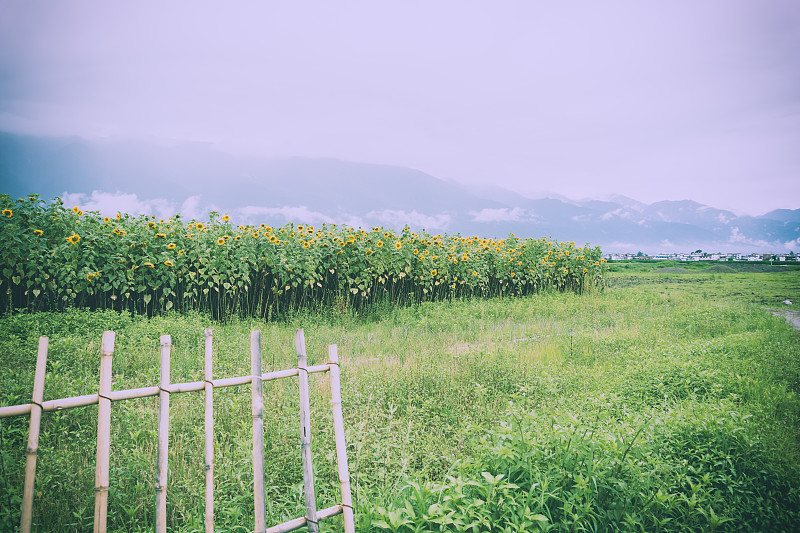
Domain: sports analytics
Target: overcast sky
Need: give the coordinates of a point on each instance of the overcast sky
(656, 100)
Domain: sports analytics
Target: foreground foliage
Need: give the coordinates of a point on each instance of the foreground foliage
(634, 409)
(52, 258)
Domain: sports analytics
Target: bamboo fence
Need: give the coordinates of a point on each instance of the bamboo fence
(105, 396)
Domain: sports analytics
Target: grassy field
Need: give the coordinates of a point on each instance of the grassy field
(666, 402)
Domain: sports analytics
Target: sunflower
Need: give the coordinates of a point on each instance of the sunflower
(119, 217)
(398, 245)
(76, 209)
(226, 218)
(596, 263)
(38, 232)
(255, 235)
(106, 219)
(220, 241)
(379, 244)
(433, 272)
(585, 270)
(148, 264)
(162, 235)
(474, 272)
(416, 252)
(74, 238)
(171, 246)
(8, 212)
(199, 225)
(237, 238)
(169, 263)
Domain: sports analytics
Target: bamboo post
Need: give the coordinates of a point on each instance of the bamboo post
(163, 437)
(259, 496)
(33, 436)
(103, 434)
(305, 434)
(341, 449)
(209, 427)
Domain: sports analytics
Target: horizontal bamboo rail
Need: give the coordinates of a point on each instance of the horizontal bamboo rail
(144, 392)
(106, 396)
(297, 523)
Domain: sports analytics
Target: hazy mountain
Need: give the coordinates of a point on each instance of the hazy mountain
(314, 190)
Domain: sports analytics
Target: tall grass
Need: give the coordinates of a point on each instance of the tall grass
(630, 409)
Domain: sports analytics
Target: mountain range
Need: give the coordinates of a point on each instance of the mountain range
(196, 177)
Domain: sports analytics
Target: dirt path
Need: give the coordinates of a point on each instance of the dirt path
(789, 314)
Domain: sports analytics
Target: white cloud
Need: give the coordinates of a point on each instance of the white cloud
(191, 208)
(740, 238)
(251, 213)
(397, 219)
(792, 245)
(111, 203)
(736, 236)
(503, 214)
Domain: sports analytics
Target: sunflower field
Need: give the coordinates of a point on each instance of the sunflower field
(53, 257)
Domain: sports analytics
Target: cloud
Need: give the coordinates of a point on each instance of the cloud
(256, 214)
(504, 214)
(108, 204)
(398, 219)
(111, 203)
(736, 236)
(740, 239)
(622, 212)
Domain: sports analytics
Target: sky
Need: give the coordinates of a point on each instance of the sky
(654, 100)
